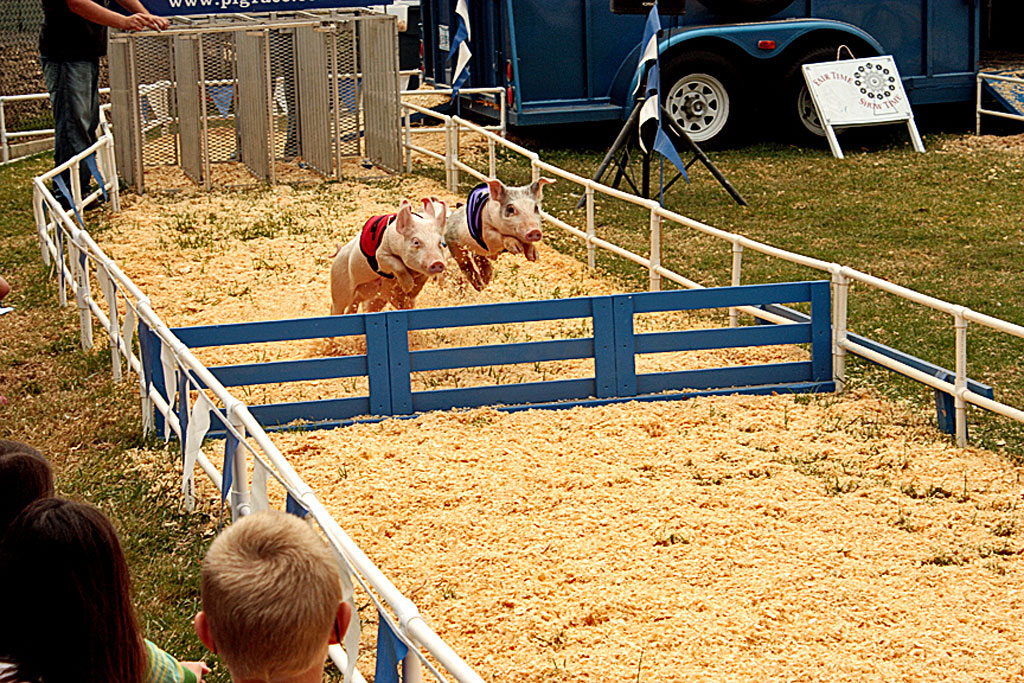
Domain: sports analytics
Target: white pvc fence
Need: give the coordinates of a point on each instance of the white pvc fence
(840, 276)
(9, 138)
(984, 78)
(78, 259)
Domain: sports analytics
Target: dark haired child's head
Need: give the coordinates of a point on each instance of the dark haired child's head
(62, 572)
(25, 476)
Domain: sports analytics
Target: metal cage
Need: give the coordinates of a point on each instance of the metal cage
(239, 99)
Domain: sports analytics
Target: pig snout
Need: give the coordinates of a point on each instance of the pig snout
(534, 235)
(435, 267)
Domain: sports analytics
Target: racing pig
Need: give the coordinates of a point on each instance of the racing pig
(495, 219)
(390, 260)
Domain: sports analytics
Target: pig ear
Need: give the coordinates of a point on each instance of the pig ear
(428, 207)
(442, 215)
(404, 219)
(538, 185)
(497, 189)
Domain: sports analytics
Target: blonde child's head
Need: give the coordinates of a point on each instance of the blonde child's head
(271, 593)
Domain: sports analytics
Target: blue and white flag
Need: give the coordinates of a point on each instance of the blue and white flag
(651, 110)
(649, 51)
(460, 49)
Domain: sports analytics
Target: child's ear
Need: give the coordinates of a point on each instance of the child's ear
(202, 627)
(341, 621)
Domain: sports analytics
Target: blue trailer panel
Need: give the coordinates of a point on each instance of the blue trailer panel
(574, 60)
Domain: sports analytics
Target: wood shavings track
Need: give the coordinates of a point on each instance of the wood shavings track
(730, 538)
(727, 538)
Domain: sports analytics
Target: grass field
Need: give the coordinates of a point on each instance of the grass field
(946, 223)
(63, 402)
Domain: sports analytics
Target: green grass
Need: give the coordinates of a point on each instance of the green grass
(944, 223)
(62, 401)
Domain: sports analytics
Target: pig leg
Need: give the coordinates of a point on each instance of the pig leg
(465, 261)
(511, 245)
(342, 291)
(402, 299)
(366, 292)
(395, 266)
(483, 264)
(375, 304)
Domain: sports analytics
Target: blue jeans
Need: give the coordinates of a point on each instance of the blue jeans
(75, 99)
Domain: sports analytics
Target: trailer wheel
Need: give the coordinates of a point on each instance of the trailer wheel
(746, 10)
(800, 118)
(704, 98)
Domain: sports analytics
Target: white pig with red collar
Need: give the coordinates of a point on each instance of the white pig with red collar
(390, 260)
(495, 219)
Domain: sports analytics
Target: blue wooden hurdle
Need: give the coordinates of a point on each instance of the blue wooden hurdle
(388, 361)
(945, 412)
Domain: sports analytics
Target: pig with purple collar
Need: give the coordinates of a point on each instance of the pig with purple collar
(495, 219)
(390, 260)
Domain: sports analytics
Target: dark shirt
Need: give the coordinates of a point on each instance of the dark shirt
(67, 37)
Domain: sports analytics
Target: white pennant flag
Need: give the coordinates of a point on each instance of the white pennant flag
(258, 500)
(128, 333)
(169, 366)
(460, 47)
(198, 426)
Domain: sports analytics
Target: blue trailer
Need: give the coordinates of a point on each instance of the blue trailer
(726, 64)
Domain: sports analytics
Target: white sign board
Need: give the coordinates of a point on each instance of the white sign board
(859, 92)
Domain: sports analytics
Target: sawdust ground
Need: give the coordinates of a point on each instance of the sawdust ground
(733, 538)
(730, 538)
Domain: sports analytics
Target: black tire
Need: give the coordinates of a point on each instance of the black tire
(702, 93)
(746, 10)
(799, 117)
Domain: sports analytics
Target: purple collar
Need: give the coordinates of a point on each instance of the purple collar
(478, 197)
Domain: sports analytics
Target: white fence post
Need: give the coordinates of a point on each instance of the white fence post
(737, 266)
(83, 295)
(63, 244)
(407, 120)
(239, 494)
(5, 152)
(840, 308)
(110, 174)
(449, 167)
(655, 259)
(40, 216)
(977, 105)
(456, 134)
(492, 164)
(75, 181)
(412, 670)
(961, 378)
(591, 228)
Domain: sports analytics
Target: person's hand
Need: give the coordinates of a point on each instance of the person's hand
(198, 668)
(140, 21)
(160, 23)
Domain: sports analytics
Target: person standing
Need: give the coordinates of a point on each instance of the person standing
(71, 42)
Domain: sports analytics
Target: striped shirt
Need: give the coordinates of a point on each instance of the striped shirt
(163, 668)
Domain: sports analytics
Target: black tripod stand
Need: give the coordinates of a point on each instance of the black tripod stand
(627, 143)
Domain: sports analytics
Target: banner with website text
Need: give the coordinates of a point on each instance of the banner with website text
(174, 7)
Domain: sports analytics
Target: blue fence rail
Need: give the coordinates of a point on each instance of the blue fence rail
(945, 415)
(389, 362)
